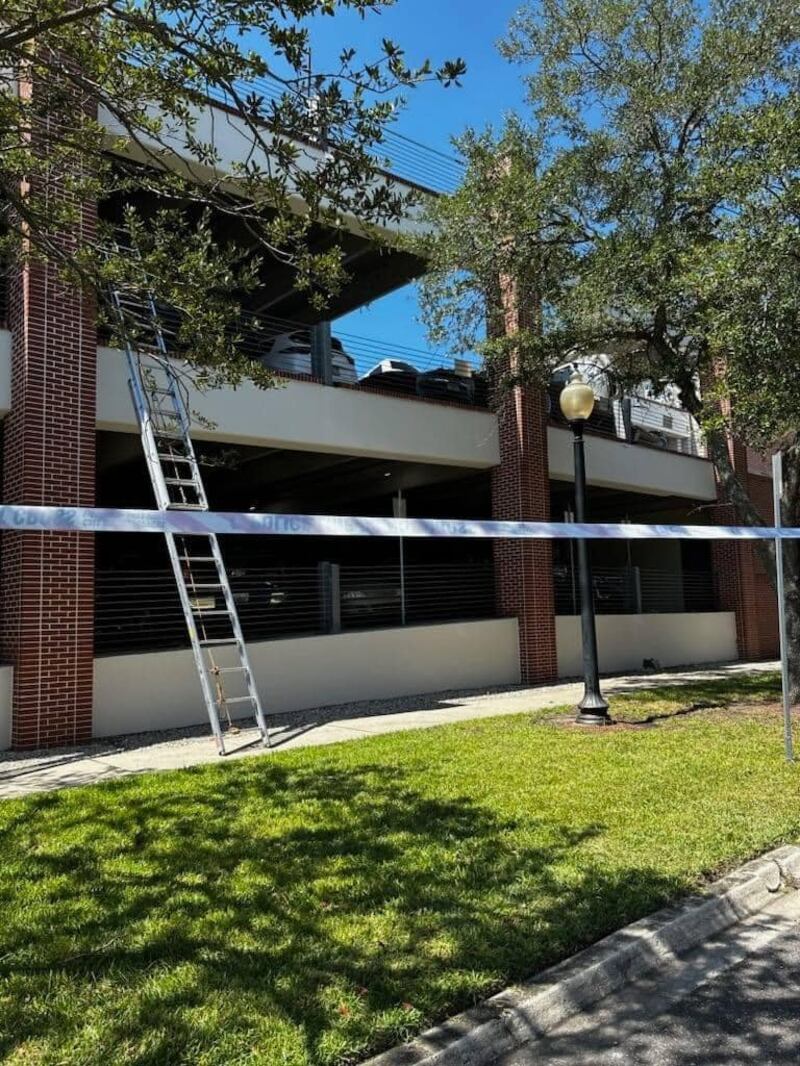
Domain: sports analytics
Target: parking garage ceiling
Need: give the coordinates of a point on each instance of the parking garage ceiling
(374, 270)
(285, 481)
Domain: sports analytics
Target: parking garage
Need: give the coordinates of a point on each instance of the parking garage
(288, 587)
(292, 586)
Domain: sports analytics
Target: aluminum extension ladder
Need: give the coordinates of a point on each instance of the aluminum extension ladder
(220, 653)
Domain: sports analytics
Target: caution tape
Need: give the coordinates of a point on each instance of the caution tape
(116, 520)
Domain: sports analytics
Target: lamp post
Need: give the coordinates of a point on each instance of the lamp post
(577, 403)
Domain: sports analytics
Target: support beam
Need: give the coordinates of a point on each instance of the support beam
(49, 459)
(521, 492)
(322, 353)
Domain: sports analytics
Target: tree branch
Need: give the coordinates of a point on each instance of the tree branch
(21, 33)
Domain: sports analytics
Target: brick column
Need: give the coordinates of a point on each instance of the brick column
(49, 458)
(521, 492)
(742, 585)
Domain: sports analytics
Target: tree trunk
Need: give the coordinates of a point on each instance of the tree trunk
(736, 494)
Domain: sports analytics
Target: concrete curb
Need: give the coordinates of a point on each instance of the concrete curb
(528, 1011)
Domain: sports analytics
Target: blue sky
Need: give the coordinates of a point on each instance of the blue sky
(439, 29)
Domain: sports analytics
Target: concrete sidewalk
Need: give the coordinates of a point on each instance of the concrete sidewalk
(22, 774)
(732, 1000)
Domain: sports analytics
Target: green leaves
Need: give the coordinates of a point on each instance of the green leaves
(651, 208)
(119, 109)
(676, 116)
(502, 227)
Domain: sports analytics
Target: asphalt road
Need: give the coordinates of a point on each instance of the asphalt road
(734, 1000)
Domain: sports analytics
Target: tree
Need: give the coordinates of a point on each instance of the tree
(148, 70)
(659, 210)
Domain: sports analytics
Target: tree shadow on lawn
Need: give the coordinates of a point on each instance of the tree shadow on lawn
(738, 687)
(313, 913)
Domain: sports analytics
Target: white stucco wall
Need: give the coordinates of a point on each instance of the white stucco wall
(6, 690)
(624, 640)
(311, 417)
(160, 690)
(633, 467)
(233, 143)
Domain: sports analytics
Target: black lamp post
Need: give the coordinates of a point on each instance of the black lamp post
(577, 404)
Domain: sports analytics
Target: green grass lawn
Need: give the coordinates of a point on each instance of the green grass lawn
(318, 905)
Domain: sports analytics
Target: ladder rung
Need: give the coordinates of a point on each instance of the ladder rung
(166, 426)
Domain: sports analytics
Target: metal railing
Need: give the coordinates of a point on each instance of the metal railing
(373, 597)
(389, 367)
(258, 333)
(639, 420)
(659, 424)
(637, 590)
(398, 155)
(139, 610)
(285, 347)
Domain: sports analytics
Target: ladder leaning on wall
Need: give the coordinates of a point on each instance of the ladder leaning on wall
(220, 653)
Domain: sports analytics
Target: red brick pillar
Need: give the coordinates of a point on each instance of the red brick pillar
(49, 458)
(764, 602)
(521, 492)
(743, 586)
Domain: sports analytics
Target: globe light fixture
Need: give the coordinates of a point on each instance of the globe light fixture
(577, 402)
(577, 399)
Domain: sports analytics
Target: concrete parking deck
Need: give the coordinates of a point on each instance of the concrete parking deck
(25, 773)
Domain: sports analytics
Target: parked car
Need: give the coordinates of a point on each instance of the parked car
(650, 436)
(371, 604)
(249, 589)
(393, 375)
(290, 353)
(444, 384)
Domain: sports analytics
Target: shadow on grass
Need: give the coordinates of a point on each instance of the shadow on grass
(279, 913)
(738, 687)
(680, 712)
